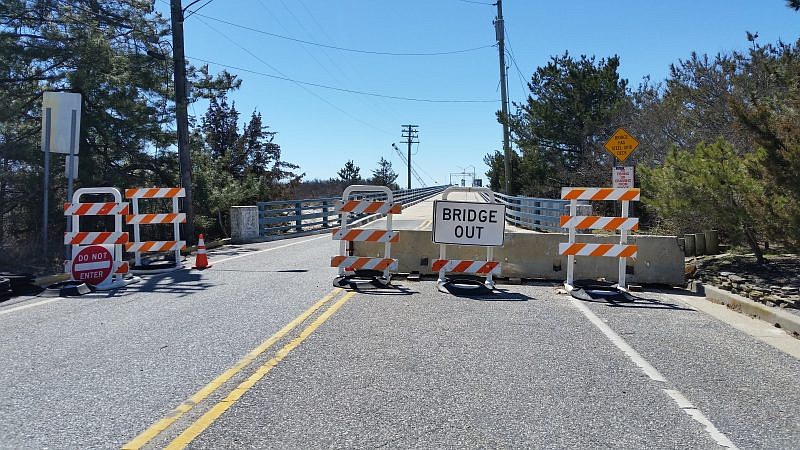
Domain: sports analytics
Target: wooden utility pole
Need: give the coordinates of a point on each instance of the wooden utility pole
(411, 134)
(182, 116)
(499, 29)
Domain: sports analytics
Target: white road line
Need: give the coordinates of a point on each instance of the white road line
(29, 305)
(679, 399)
(270, 249)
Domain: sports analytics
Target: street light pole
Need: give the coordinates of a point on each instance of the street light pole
(499, 29)
(182, 115)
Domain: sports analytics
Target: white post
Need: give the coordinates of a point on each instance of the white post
(136, 231)
(623, 239)
(176, 230)
(573, 211)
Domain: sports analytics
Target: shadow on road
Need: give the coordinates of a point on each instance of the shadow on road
(182, 283)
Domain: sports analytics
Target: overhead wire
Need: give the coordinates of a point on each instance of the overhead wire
(195, 10)
(351, 91)
(380, 106)
(344, 49)
(365, 100)
(284, 77)
(510, 53)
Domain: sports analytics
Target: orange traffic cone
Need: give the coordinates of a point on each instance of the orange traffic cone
(201, 260)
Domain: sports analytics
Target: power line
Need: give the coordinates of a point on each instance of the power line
(476, 3)
(195, 11)
(285, 78)
(344, 49)
(350, 91)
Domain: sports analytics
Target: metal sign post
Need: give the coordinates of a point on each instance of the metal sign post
(60, 134)
(46, 149)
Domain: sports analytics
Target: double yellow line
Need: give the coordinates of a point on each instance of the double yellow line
(199, 425)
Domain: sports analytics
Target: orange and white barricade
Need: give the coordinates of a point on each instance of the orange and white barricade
(487, 268)
(349, 264)
(112, 241)
(137, 220)
(574, 222)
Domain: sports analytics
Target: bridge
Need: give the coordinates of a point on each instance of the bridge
(262, 351)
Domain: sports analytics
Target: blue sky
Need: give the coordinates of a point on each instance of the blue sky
(320, 129)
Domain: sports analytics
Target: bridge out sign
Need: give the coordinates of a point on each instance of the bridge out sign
(468, 223)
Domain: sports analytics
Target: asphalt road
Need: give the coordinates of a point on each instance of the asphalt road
(261, 352)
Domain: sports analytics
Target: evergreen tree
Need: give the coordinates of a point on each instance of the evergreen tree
(383, 175)
(573, 106)
(350, 173)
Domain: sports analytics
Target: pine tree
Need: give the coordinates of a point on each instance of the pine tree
(383, 175)
(350, 173)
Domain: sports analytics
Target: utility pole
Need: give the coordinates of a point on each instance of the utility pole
(411, 135)
(499, 29)
(181, 115)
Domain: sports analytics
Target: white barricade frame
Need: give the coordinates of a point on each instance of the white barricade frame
(623, 223)
(486, 267)
(176, 218)
(78, 239)
(348, 263)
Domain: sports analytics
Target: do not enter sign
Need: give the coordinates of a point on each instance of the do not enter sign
(92, 265)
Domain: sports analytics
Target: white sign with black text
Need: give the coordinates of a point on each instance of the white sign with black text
(622, 177)
(468, 223)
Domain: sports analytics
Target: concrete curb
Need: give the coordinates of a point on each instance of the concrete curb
(50, 279)
(775, 316)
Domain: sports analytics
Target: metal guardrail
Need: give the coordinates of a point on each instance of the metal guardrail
(298, 216)
(533, 213)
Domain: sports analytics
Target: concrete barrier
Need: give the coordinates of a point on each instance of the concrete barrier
(660, 259)
(244, 224)
(712, 242)
(689, 247)
(700, 244)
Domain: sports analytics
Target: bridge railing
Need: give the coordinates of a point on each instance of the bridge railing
(301, 216)
(533, 213)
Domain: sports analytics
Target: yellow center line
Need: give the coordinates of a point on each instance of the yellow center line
(217, 410)
(155, 429)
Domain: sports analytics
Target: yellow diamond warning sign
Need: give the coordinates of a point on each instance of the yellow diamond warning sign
(621, 144)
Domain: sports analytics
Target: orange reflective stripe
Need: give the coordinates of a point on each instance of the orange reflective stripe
(173, 192)
(438, 264)
(574, 194)
(350, 205)
(462, 266)
(614, 223)
(150, 193)
(396, 209)
(602, 193)
(372, 207)
(587, 222)
(601, 249)
(488, 267)
(351, 235)
(375, 236)
(630, 195)
(628, 251)
(383, 264)
(574, 249)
